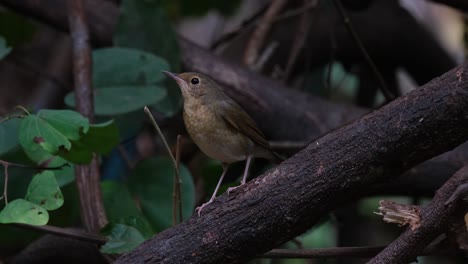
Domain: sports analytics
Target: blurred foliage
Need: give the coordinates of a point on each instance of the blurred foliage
(16, 29)
(4, 49)
(151, 184)
(145, 25)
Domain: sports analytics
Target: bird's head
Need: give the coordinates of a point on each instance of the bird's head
(194, 85)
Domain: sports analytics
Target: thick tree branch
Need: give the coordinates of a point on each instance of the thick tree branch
(87, 176)
(434, 220)
(291, 198)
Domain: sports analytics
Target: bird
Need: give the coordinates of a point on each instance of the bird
(219, 126)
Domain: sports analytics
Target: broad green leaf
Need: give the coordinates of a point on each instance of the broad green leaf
(4, 49)
(122, 99)
(117, 200)
(122, 238)
(121, 208)
(44, 191)
(123, 66)
(101, 138)
(151, 183)
(24, 212)
(69, 123)
(36, 134)
(78, 153)
(8, 135)
(145, 25)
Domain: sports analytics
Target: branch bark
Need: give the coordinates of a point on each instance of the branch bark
(87, 176)
(435, 218)
(289, 199)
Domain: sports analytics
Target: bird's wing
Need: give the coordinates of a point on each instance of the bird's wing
(238, 119)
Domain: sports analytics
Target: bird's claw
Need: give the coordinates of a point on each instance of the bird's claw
(200, 208)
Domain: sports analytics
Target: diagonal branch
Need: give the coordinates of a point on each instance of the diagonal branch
(289, 199)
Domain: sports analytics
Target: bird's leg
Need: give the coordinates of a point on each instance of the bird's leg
(244, 177)
(213, 196)
(246, 170)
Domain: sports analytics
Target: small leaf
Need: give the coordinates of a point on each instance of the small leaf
(123, 66)
(69, 123)
(122, 238)
(24, 212)
(122, 99)
(44, 191)
(151, 183)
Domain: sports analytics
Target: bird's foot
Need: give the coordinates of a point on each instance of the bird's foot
(230, 189)
(200, 208)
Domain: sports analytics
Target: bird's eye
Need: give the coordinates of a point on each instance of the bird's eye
(195, 81)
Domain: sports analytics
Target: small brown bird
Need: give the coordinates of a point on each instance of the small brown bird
(219, 126)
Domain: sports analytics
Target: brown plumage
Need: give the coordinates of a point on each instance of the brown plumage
(218, 125)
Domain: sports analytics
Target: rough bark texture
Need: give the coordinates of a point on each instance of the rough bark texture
(435, 218)
(291, 198)
(87, 176)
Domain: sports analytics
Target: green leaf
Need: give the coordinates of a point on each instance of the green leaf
(44, 134)
(8, 135)
(78, 153)
(122, 66)
(4, 49)
(122, 99)
(118, 201)
(24, 212)
(151, 183)
(69, 123)
(44, 191)
(145, 25)
(102, 138)
(122, 238)
(121, 208)
(36, 133)
(65, 175)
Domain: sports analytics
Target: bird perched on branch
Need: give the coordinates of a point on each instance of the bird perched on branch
(219, 126)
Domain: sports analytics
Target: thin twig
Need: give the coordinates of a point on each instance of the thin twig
(258, 36)
(79, 235)
(254, 21)
(176, 165)
(389, 96)
(5, 185)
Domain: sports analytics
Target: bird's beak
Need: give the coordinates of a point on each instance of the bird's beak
(174, 76)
